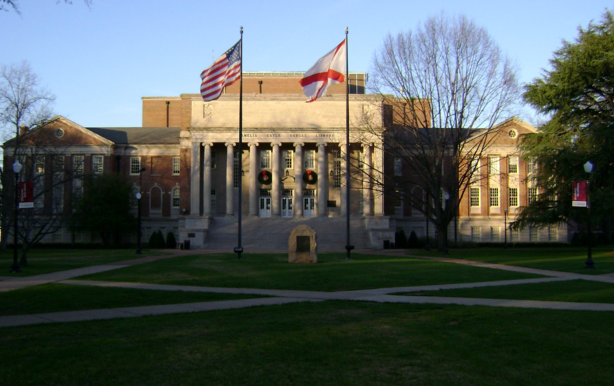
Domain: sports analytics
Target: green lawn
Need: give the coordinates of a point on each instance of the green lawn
(329, 343)
(43, 261)
(582, 291)
(332, 273)
(556, 259)
(63, 297)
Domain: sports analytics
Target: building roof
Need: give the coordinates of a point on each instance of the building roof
(139, 135)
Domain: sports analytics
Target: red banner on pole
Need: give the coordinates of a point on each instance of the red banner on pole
(26, 194)
(578, 194)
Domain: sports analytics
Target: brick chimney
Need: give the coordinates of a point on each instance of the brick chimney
(23, 130)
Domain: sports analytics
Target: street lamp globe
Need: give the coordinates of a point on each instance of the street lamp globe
(588, 167)
(17, 167)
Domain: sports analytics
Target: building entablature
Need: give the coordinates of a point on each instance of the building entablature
(148, 150)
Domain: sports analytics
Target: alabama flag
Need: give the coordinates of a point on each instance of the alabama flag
(330, 69)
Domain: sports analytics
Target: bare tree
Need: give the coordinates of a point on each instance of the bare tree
(24, 103)
(445, 86)
(53, 181)
(14, 4)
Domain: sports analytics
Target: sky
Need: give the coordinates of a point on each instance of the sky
(100, 61)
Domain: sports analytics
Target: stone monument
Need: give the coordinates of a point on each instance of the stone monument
(302, 245)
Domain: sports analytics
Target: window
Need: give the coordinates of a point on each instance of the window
(495, 234)
(39, 181)
(514, 235)
(236, 170)
(398, 167)
(494, 196)
(213, 159)
(175, 198)
(475, 196)
(213, 201)
(531, 166)
(58, 164)
(533, 233)
(475, 171)
(78, 165)
(476, 234)
(135, 166)
(176, 166)
(77, 182)
(310, 159)
(97, 164)
(58, 183)
(336, 169)
(265, 159)
(288, 159)
(513, 165)
(493, 166)
(513, 197)
(553, 233)
(398, 202)
(532, 195)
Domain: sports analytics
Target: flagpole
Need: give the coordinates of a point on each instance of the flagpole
(348, 247)
(239, 249)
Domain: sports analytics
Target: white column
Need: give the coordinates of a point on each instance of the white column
(378, 167)
(253, 179)
(322, 180)
(207, 181)
(195, 179)
(298, 179)
(276, 191)
(343, 190)
(366, 182)
(230, 191)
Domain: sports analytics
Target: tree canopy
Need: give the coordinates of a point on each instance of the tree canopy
(578, 95)
(106, 208)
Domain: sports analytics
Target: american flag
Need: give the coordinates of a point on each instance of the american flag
(224, 72)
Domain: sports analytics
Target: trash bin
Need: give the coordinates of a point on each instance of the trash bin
(186, 244)
(386, 244)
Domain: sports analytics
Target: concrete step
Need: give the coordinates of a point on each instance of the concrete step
(273, 232)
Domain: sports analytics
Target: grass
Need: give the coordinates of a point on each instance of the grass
(63, 297)
(332, 273)
(41, 261)
(556, 259)
(325, 343)
(581, 291)
(329, 343)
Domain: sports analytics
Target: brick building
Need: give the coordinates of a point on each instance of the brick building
(290, 169)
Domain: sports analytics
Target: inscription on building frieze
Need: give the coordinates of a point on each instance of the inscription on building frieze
(292, 135)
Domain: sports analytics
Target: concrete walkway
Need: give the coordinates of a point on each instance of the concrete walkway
(279, 297)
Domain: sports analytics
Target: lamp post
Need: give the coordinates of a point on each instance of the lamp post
(138, 201)
(16, 169)
(505, 228)
(588, 168)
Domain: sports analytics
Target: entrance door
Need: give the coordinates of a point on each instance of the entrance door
(286, 207)
(265, 207)
(309, 206)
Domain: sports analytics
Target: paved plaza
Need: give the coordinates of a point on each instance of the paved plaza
(279, 297)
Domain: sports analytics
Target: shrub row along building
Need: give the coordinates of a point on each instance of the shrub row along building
(291, 170)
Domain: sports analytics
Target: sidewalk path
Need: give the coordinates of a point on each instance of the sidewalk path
(279, 297)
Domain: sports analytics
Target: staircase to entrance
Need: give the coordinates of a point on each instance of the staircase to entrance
(271, 233)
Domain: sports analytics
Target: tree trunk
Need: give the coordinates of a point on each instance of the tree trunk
(442, 238)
